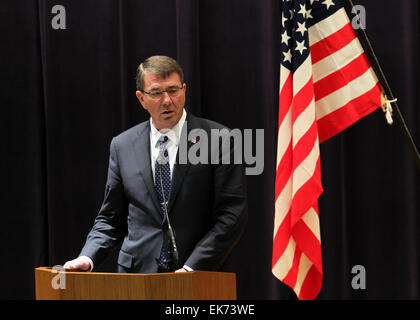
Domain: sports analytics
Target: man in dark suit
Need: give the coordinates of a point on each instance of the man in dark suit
(205, 202)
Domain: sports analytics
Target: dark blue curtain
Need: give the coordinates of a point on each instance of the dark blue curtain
(66, 93)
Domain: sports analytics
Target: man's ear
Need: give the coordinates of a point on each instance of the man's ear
(140, 97)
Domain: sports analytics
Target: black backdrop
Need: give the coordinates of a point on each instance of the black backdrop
(66, 93)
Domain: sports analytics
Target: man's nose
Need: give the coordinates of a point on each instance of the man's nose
(166, 99)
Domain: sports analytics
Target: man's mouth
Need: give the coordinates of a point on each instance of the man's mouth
(167, 112)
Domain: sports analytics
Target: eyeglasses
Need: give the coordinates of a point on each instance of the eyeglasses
(158, 94)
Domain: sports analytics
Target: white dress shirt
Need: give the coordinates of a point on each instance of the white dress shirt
(173, 135)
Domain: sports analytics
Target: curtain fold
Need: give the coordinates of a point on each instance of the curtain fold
(66, 93)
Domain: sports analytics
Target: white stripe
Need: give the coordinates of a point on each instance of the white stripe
(337, 60)
(304, 265)
(285, 263)
(282, 205)
(328, 26)
(311, 219)
(284, 136)
(285, 127)
(302, 75)
(344, 95)
(303, 122)
(306, 169)
(284, 74)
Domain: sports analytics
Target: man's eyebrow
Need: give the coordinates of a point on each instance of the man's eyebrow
(169, 87)
(155, 89)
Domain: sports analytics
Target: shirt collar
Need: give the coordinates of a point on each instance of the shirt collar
(172, 134)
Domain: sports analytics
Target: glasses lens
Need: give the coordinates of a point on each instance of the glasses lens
(159, 94)
(156, 94)
(173, 91)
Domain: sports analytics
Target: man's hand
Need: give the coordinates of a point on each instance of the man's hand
(80, 263)
(181, 270)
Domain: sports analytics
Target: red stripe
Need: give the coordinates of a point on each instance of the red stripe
(341, 77)
(332, 43)
(291, 277)
(285, 98)
(303, 200)
(307, 195)
(308, 243)
(284, 170)
(302, 99)
(305, 145)
(311, 286)
(344, 117)
(281, 239)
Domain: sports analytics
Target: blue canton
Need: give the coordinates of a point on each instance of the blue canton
(297, 17)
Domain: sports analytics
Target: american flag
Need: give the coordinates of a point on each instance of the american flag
(326, 84)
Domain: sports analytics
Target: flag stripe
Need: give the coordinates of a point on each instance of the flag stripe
(327, 27)
(283, 204)
(300, 128)
(282, 265)
(336, 60)
(286, 95)
(344, 117)
(332, 43)
(308, 242)
(292, 275)
(283, 170)
(342, 77)
(312, 284)
(308, 193)
(284, 136)
(281, 239)
(341, 97)
(302, 75)
(305, 170)
(302, 99)
(311, 219)
(284, 75)
(304, 267)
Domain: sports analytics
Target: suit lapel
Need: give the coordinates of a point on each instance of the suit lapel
(142, 151)
(180, 170)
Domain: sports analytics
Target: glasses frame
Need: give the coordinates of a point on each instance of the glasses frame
(161, 92)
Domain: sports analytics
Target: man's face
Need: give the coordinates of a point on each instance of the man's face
(167, 109)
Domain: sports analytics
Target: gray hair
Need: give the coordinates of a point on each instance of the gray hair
(161, 66)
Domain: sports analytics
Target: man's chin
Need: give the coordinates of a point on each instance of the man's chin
(166, 124)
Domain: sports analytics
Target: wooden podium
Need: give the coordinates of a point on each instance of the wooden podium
(196, 285)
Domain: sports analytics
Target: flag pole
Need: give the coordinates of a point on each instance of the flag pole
(362, 35)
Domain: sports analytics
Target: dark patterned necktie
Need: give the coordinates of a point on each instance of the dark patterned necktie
(163, 187)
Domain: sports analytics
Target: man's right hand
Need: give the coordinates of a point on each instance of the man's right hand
(81, 263)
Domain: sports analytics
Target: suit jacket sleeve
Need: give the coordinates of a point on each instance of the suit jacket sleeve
(110, 225)
(230, 216)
